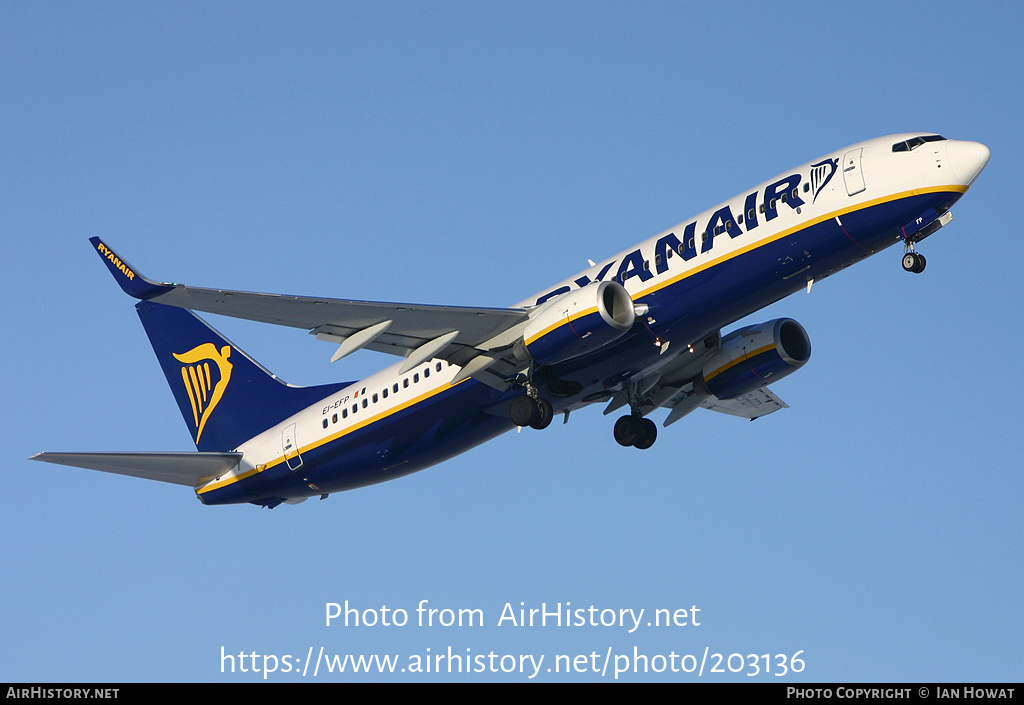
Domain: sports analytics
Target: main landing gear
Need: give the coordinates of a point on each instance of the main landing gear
(634, 430)
(530, 411)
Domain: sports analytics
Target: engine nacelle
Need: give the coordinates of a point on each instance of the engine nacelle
(754, 356)
(578, 322)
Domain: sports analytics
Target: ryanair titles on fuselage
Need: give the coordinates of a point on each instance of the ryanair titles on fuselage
(785, 190)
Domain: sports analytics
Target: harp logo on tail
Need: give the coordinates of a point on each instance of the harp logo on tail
(204, 389)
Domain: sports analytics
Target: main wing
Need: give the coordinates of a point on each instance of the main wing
(415, 331)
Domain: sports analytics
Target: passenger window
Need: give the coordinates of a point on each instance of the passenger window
(325, 423)
(426, 372)
(374, 397)
(439, 366)
(365, 402)
(395, 388)
(385, 392)
(344, 413)
(405, 382)
(334, 418)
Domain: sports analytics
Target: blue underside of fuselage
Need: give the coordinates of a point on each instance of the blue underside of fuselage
(470, 413)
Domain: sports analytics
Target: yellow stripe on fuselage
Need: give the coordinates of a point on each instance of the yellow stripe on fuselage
(328, 439)
(789, 231)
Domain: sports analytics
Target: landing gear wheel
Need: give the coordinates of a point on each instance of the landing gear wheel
(627, 429)
(524, 411)
(914, 262)
(544, 414)
(648, 434)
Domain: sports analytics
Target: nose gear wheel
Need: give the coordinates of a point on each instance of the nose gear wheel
(914, 262)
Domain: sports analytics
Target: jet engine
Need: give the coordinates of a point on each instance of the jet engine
(754, 356)
(576, 323)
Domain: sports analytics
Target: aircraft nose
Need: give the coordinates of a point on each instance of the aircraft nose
(967, 159)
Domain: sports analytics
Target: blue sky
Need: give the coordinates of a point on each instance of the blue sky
(473, 154)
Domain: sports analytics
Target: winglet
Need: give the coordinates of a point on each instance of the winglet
(129, 279)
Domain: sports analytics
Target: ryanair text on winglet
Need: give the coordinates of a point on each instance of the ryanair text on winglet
(109, 254)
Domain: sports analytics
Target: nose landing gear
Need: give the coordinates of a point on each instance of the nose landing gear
(913, 261)
(916, 231)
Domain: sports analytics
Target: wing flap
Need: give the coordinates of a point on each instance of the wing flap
(749, 406)
(190, 469)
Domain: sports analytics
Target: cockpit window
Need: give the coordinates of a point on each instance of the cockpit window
(915, 142)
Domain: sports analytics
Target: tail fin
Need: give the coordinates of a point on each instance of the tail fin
(224, 395)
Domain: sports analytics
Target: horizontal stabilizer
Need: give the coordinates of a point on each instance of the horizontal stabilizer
(179, 468)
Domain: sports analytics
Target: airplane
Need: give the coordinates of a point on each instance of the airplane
(639, 331)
